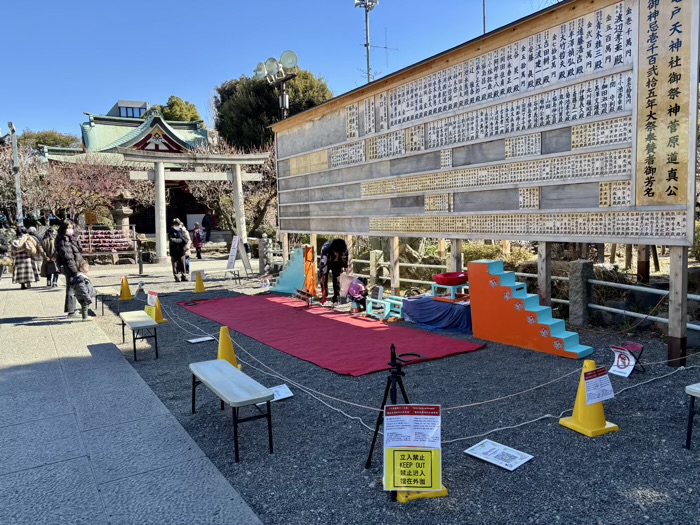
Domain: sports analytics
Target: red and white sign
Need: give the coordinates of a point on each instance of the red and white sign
(598, 386)
(412, 426)
(152, 298)
(624, 362)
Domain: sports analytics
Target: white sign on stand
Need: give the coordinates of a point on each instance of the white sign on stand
(598, 386)
(152, 298)
(624, 362)
(238, 249)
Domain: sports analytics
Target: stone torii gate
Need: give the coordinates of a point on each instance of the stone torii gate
(159, 175)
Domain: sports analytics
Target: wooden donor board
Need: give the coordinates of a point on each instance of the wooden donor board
(575, 124)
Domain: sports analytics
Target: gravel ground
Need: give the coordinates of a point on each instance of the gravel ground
(641, 474)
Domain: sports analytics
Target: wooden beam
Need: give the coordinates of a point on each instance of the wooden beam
(642, 263)
(628, 256)
(613, 253)
(196, 175)
(441, 248)
(655, 258)
(349, 240)
(394, 260)
(193, 158)
(455, 255)
(285, 247)
(313, 241)
(678, 307)
(544, 272)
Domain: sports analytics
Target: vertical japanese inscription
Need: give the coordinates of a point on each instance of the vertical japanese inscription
(665, 42)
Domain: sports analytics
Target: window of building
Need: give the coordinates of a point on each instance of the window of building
(131, 112)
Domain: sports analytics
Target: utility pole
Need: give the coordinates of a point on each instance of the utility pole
(15, 170)
(367, 5)
(484, 16)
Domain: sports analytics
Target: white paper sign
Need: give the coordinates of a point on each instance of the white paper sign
(281, 392)
(152, 297)
(412, 426)
(233, 254)
(200, 339)
(624, 362)
(193, 275)
(598, 386)
(505, 457)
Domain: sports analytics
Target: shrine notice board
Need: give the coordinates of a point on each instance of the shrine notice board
(577, 123)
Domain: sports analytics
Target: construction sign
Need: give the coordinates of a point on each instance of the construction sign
(412, 448)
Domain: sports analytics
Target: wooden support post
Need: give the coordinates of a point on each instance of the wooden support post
(441, 248)
(285, 247)
(613, 253)
(655, 258)
(394, 260)
(455, 264)
(600, 252)
(544, 272)
(505, 247)
(628, 256)
(678, 307)
(239, 205)
(349, 242)
(642, 263)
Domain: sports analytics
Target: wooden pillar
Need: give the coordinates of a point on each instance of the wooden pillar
(655, 258)
(642, 263)
(600, 252)
(238, 206)
(544, 272)
(455, 264)
(441, 248)
(628, 256)
(613, 253)
(161, 224)
(284, 237)
(349, 241)
(677, 306)
(394, 260)
(505, 247)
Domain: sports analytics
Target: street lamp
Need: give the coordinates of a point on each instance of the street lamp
(367, 5)
(277, 73)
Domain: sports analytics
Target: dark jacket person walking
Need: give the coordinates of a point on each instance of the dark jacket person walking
(68, 257)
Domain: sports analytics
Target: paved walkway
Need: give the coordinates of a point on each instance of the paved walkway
(83, 439)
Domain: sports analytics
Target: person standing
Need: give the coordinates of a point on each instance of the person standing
(188, 247)
(207, 224)
(334, 260)
(24, 250)
(177, 251)
(49, 267)
(68, 257)
(39, 259)
(198, 239)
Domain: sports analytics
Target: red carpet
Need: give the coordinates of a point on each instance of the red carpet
(335, 341)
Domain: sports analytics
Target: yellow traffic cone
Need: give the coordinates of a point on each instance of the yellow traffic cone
(158, 313)
(199, 286)
(588, 420)
(404, 496)
(125, 294)
(226, 351)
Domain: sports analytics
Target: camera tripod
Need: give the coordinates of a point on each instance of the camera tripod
(395, 374)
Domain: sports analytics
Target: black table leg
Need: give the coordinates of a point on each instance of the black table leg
(133, 333)
(691, 413)
(123, 334)
(235, 432)
(269, 425)
(155, 337)
(194, 390)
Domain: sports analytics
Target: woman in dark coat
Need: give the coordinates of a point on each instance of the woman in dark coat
(49, 267)
(68, 257)
(177, 246)
(24, 250)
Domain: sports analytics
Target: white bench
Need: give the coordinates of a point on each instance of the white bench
(142, 327)
(235, 389)
(103, 292)
(693, 391)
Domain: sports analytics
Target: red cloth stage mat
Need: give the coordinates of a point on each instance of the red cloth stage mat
(335, 341)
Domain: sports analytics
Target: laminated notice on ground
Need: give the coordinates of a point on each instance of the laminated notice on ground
(505, 457)
(412, 443)
(200, 339)
(281, 392)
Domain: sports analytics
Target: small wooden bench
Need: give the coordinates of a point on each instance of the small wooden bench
(103, 292)
(142, 327)
(693, 391)
(235, 389)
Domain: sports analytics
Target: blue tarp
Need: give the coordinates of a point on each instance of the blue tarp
(439, 315)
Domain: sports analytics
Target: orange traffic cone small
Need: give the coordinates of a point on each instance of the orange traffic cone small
(125, 293)
(226, 351)
(588, 420)
(199, 286)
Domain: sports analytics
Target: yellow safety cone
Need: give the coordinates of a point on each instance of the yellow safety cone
(125, 293)
(199, 286)
(588, 420)
(226, 351)
(158, 313)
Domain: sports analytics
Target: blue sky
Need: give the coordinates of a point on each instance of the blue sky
(60, 59)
